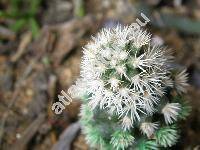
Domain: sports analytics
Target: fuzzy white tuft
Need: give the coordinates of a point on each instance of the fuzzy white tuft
(126, 123)
(180, 81)
(170, 112)
(148, 128)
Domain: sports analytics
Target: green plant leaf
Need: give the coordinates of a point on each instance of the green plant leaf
(18, 25)
(34, 7)
(34, 27)
(79, 9)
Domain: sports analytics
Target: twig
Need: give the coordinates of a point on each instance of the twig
(26, 39)
(67, 137)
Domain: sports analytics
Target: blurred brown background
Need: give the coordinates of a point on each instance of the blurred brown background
(40, 51)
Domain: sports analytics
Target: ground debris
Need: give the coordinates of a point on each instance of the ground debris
(28, 134)
(7, 34)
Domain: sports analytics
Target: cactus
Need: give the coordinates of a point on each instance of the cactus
(132, 97)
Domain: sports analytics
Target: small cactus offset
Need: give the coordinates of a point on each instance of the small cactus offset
(132, 97)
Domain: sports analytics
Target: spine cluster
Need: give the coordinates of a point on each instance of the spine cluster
(132, 98)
